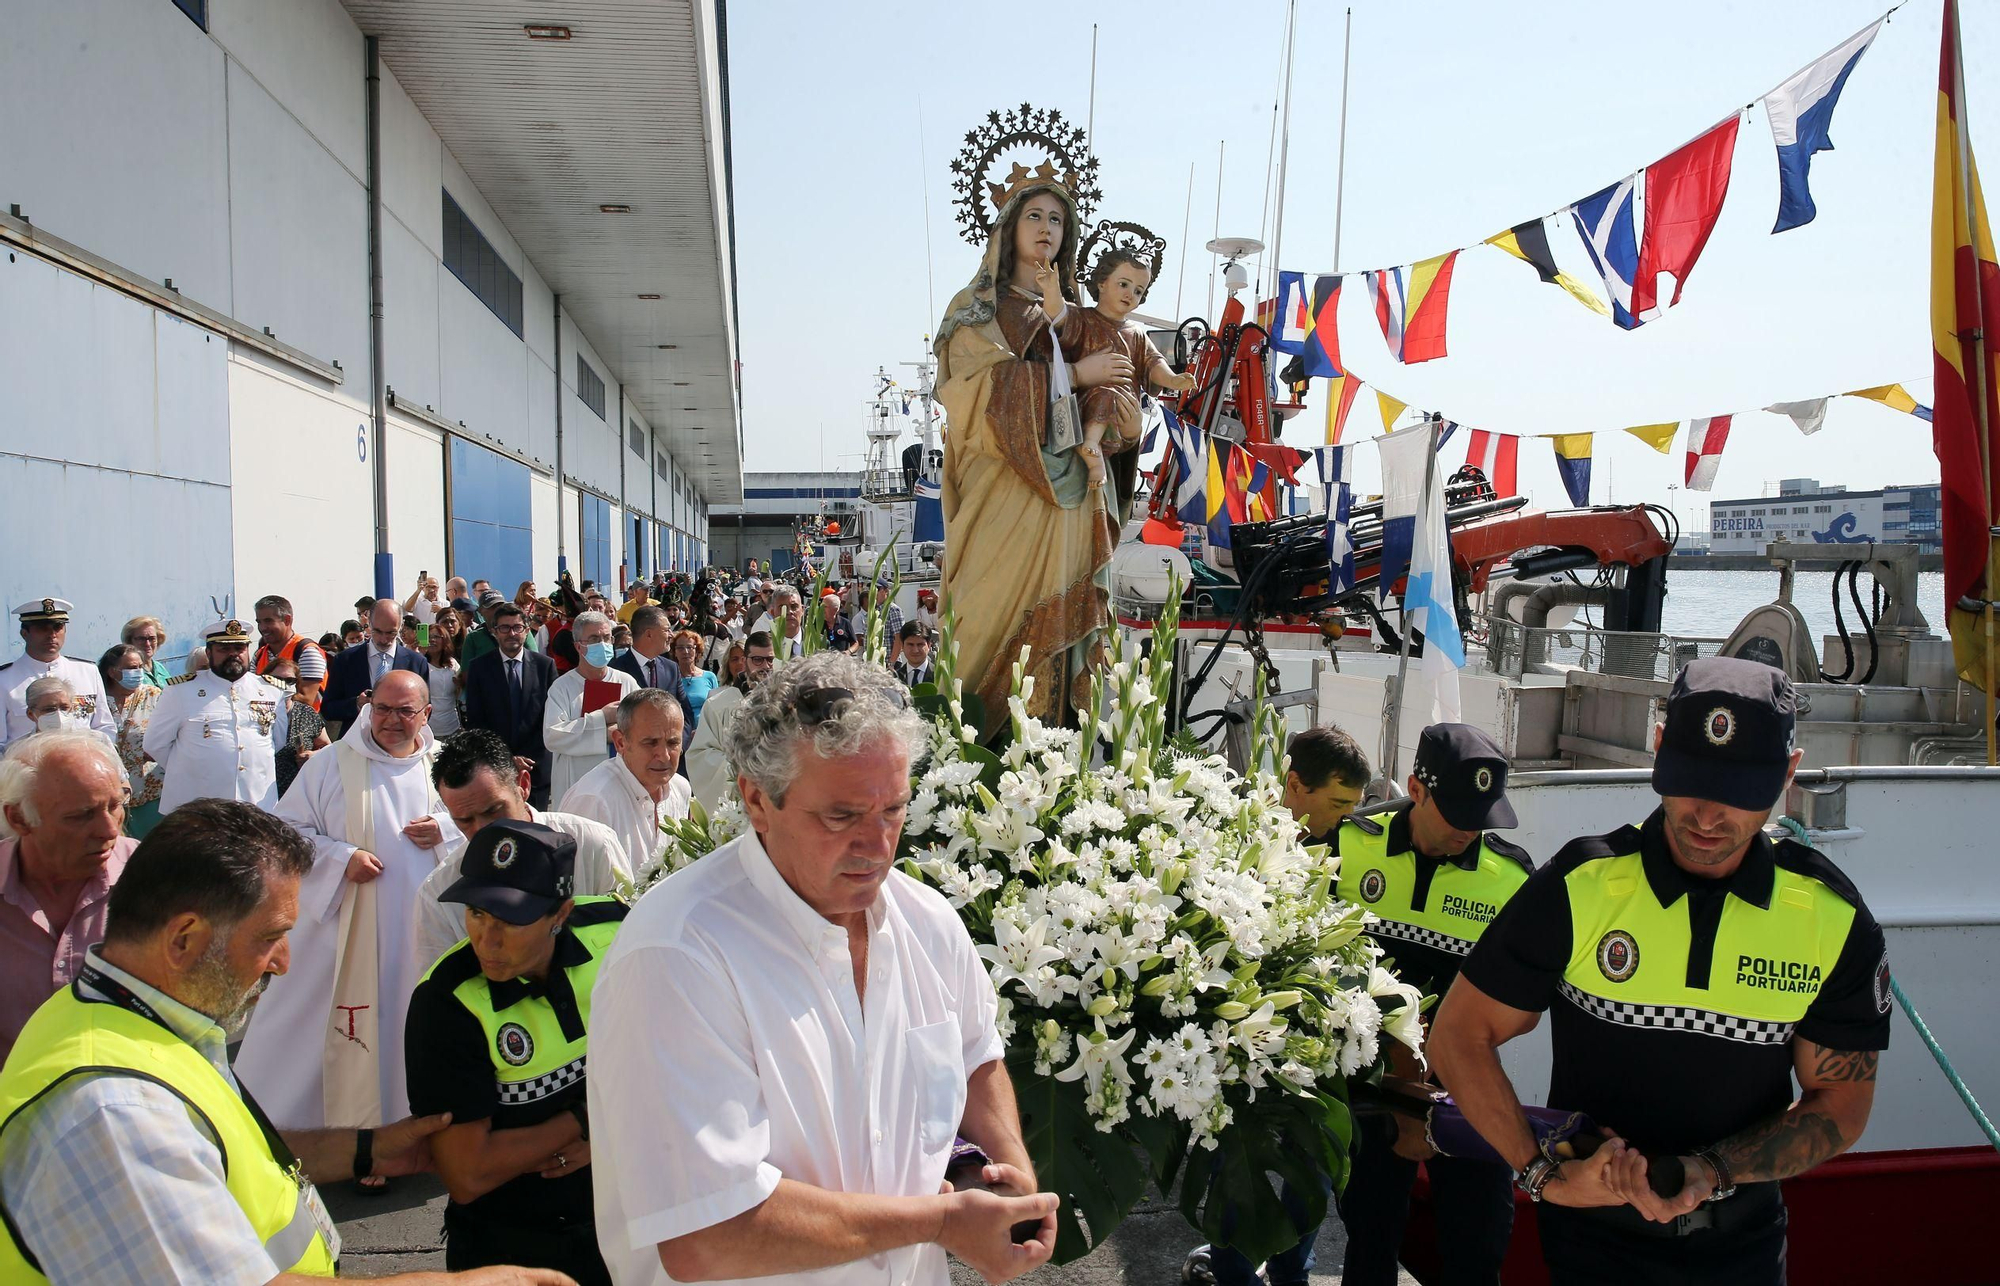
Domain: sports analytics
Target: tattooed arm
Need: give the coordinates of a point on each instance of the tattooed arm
(1839, 1090)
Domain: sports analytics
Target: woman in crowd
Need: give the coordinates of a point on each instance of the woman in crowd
(524, 598)
(147, 634)
(696, 682)
(128, 688)
(445, 682)
(735, 663)
(307, 729)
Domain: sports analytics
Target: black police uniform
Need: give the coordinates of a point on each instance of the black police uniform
(1675, 999)
(1432, 910)
(512, 1053)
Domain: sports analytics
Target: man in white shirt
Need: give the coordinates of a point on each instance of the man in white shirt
(826, 1025)
(477, 779)
(709, 770)
(640, 786)
(784, 621)
(578, 741)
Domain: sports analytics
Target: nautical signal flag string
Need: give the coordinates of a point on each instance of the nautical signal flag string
(1653, 223)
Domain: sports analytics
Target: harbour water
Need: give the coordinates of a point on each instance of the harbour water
(1708, 604)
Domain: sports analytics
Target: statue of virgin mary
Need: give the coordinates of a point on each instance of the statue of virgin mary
(1028, 535)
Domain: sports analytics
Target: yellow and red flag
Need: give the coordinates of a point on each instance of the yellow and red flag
(1965, 324)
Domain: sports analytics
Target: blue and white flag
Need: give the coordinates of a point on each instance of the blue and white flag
(1801, 109)
(1336, 466)
(1445, 430)
(1604, 220)
(1288, 325)
(1152, 415)
(1413, 516)
(1191, 469)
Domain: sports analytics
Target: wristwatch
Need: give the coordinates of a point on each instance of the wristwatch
(1725, 1183)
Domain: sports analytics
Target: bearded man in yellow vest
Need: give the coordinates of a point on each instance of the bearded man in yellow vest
(497, 1038)
(1692, 966)
(131, 1153)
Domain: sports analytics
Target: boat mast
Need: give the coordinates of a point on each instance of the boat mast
(1340, 167)
(1284, 154)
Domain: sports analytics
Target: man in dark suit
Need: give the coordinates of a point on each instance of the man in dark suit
(354, 673)
(505, 692)
(914, 663)
(651, 661)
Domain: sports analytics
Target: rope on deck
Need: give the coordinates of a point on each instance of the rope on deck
(1965, 1096)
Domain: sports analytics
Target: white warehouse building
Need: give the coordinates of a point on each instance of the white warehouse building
(201, 404)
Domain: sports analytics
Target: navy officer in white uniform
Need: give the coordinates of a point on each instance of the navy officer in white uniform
(44, 624)
(216, 733)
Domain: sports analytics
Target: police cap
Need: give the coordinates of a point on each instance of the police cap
(515, 871)
(1466, 773)
(1728, 733)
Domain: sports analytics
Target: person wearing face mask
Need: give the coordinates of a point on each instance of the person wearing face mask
(51, 705)
(217, 733)
(44, 626)
(128, 683)
(575, 726)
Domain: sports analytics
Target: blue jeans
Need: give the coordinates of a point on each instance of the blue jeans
(1286, 1268)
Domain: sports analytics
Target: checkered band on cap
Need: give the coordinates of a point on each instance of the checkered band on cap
(1425, 774)
(1421, 936)
(542, 1086)
(1704, 1022)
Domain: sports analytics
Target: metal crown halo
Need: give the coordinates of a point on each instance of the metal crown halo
(1111, 234)
(1067, 164)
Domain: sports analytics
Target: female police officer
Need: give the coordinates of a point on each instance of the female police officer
(496, 1037)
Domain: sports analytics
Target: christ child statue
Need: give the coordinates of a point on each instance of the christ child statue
(1118, 282)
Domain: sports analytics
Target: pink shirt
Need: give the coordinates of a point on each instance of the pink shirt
(35, 963)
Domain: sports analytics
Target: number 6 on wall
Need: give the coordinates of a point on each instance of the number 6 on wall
(361, 442)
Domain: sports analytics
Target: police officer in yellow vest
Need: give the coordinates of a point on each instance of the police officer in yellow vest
(1434, 875)
(1693, 966)
(496, 1036)
(128, 1151)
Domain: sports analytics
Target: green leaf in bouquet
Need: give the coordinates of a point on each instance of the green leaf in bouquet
(990, 766)
(1098, 1174)
(1230, 1194)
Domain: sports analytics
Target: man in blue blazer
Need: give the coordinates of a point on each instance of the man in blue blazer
(651, 661)
(355, 671)
(506, 691)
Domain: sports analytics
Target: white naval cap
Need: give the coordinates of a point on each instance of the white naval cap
(227, 631)
(43, 609)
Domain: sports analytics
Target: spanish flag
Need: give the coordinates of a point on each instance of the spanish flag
(1965, 305)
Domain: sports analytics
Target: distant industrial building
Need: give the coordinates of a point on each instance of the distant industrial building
(762, 526)
(1803, 511)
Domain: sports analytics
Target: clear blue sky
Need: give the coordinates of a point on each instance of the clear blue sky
(1464, 118)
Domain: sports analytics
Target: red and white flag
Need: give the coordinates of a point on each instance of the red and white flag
(1498, 456)
(1704, 453)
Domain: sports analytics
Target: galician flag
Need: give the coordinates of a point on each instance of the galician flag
(1965, 302)
(1413, 528)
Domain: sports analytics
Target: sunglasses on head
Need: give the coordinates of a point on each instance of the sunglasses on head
(826, 705)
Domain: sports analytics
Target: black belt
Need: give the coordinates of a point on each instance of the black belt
(1754, 1205)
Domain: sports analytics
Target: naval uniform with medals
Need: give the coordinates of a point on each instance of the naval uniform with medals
(512, 1053)
(216, 738)
(82, 677)
(1430, 912)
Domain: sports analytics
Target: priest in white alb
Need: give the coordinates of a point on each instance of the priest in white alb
(639, 787)
(578, 739)
(325, 1047)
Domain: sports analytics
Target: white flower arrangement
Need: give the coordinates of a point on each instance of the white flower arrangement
(1175, 974)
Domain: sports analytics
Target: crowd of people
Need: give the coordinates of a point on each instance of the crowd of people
(274, 922)
(385, 748)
